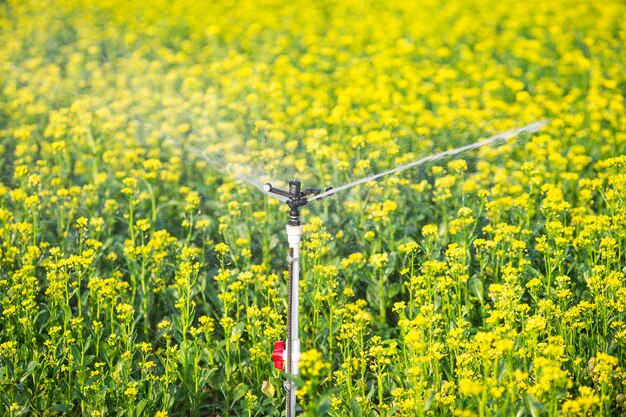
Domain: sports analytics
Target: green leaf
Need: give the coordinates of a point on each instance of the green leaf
(533, 407)
(391, 412)
(30, 368)
(9, 365)
(372, 295)
(295, 378)
(429, 401)
(476, 288)
(356, 410)
(239, 391)
(77, 394)
(64, 408)
(274, 242)
(141, 406)
(238, 329)
(322, 407)
(205, 377)
(391, 264)
(394, 289)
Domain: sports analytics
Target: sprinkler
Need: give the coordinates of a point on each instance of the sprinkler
(291, 355)
(286, 355)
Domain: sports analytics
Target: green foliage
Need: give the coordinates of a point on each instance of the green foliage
(137, 279)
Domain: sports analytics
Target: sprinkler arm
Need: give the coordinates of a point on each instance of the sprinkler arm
(295, 198)
(269, 188)
(315, 191)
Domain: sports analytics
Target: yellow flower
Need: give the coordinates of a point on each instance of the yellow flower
(221, 249)
(163, 325)
(408, 248)
(143, 225)
(430, 231)
(131, 391)
(124, 311)
(457, 166)
(379, 260)
(130, 186)
(470, 388)
(8, 348)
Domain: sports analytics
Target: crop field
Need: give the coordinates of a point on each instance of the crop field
(143, 274)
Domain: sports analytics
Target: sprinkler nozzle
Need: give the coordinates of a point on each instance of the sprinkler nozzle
(269, 188)
(295, 198)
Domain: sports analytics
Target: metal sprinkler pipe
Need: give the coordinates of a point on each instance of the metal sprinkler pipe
(294, 234)
(289, 355)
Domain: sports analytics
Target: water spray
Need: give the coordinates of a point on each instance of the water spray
(287, 355)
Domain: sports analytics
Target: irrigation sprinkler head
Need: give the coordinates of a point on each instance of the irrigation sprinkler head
(296, 198)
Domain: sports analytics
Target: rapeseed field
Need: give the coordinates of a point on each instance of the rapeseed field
(140, 275)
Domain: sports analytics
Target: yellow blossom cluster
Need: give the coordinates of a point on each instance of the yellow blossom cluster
(142, 273)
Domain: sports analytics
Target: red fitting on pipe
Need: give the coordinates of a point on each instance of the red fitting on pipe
(277, 355)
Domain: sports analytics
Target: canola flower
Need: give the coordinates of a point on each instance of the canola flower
(138, 279)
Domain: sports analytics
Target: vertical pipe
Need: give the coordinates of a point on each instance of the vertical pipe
(294, 234)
